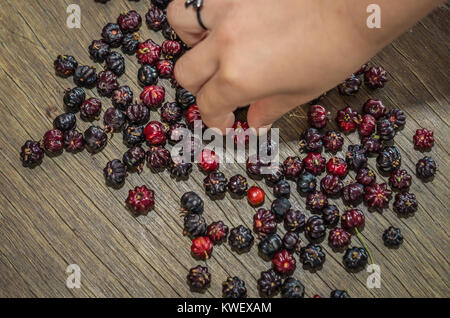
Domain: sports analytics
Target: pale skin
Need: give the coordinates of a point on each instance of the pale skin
(277, 54)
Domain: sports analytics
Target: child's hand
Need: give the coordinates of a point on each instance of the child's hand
(276, 55)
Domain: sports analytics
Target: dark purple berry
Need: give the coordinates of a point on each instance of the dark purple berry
(385, 129)
(311, 140)
(130, 43)
(291, 241)
(158, 157)
(114, 120)
(350, 86)
(134, 158)
(194, 225)
(73, 141)
(269, 283)
(112, 34)
(269, 245)
(133, 135)
(99, 50)
(122, 97)
(330, 215)
(238, 185)
(315, 228)
(65, 65)
(294, 220)
(233, 287)
(240, 239)
(171, 113)
(356, 157)
(31, 153)
(137, 114)
(392, 237)
(73, 98)
(389, 159)
(312, 256)
(184, 97)
(405, 203)
(95, 139)
(191, 203)
(280, 207)
(292, 288)
(91, 109)
(306, 182)
(115, 172)
(333, 141)
(215, 183)
(115, 63)
(426, 168)
(85, 76)
(155, 18)
(199, 278)
(179, 169)
(147, 75)
(355, 258)
(282, 189)
(65, 122)
(353, 193)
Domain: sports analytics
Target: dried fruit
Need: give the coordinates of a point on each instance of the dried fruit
(392, 236)
(31, 153)
(85, 76)
(423, 139)
(208, 160)
(114, 120)
(347, 119)
(311, 140)
(73, 141)
(171, 113)
(122, 97)
(202, 247)
(353, 218)
(400, 179)
(153, 96)
(339, 238)
(65, 65)
(165, 68)
(137, 114)
(375, 77)
(171, 49)
(294, 220)
(280, 207)
(234, 287)
(375, 107)
(317, 116)
(154, 133)
(339, 294)
(194, 225)
(353, 193)
(315, 228)
(282, 189)
(331, 184)
(215, 183)
(98, 50)
(330, 215)
(115, 63)
(199, 278)
(269, 283)
(389, 159)
(53, 141)
(385, 129)
(91, 109)
(405, 203)
(134, 158)
(241, 238)
(355, 258)
(350, 86)
(316, 201)
(264, 222)
(365, 176)
(356, 157)
(65, 122)
(269, 245)
(130, 43)
(133, 135)
(158, 157)
(367, 125)
(155, 18)
(306, 182)
(95, 139)
(284, 262)
(73, 98)
(333, 141)
(112, 34)
(141, 199)
(292, 288)
(426, 168)
(397, 117)
(314, 163)
(238, 185)
(312, 256)
(129, 22)
(337, 166)
(115, 172)
(372, 143)
(148, 52)
(291, 241)
(377, 195)
(217, 232)
(184, 97)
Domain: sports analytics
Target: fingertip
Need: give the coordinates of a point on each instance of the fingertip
(220, 122)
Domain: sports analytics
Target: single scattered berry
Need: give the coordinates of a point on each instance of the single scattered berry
(375, 107)
(291, 242)
(141, 199)
(372, 143)
(377, 195)
(165, 68)
(31, 153)
(405, 203)
(134, 158)
(65, 122)
(314, 163)
(269, 283)
(95, 139)
(153, 96)
(330, 215)
(115, 172)
(375, 77)
(73, 141)
(292, 288)
(171, 113)
(53, 141)
(180, 169)
(238, 185)
(133, 135)
(355, 258)
(347, 119)
(65, 65)
(137, 114)
(423, 139)
(284, 262)
(353, 193)
(85, 76)
(269, 245)
(367, 125)
(312, 256)
(339, 294)
(264, 222)
(280, 207)
(311, 140)
(337, 166)
(184, 97)
(208, 160)
(356, 157)
(331, 184)
(316, 201)
(193, 117)
(91, 109)
(234, 287)
(365, 176)
(217, 232)
(171, 49)
(392, 236)
(154, 133)
(426, 168)
(202, 247)
(400, 179)
(158, 157)
(199, 278)
(350, 86)
(115, 63)
(73, 98)
(353, 218)
(155, 18)
(306, 182)
(129, 22)
(339, 238)
(114, 120)
(148, 52)
(333, 141)
(255, 196)
(130, 43)
(389, 159)
(293, 167)
(240, 238)
(315, 228)
(112, 34)
(397, 117)
(294, 220)
(317, 116)
(98, 50)
(282, 189)
(122, 97)
(194, 225)
(385, 129)
(215, 183)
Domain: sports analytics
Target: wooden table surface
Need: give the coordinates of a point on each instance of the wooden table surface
(62, 213)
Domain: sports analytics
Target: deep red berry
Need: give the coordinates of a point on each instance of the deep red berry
(199, 278)
(65, 65)
(53, 141)
(331, 184)
(375, 108)
(193, 117)
(377, 195)
(347, 119)
(372, 143)
(337, 166)
(426, 168)
(152, 96)
(350, 86)
(255, 196)
(284, 262)
(73, 141)
(362, 69)
(352, 218)
(129, 22)
(367, 125)
(314, 163)
(423, 139)
(141, 199)
(317, 116)
(31, 153)
(333, 141)
(405, 203)
(217, 232)
(158, 157)
(148, 52)
(91, 108)
(375, 77)
(264, 221)
(397, 117)
(107, 83)
(171, 49)
(165, 68)
(208, 160)
(112, 34)
(316, 201)
(353, 193)
(122, 97)
(365, 176)
(154, 133)
(240, 127)
(339, 238)
(311, 140)
(400, 179)
(155, 18)
(293, 167)
(202, 247)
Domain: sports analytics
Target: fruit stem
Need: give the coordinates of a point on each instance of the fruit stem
(358, 234)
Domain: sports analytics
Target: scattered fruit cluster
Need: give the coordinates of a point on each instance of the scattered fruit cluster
(376, 126)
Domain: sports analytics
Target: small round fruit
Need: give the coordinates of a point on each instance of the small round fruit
(255, 196)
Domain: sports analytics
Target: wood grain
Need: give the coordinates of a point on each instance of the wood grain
(62, 213)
